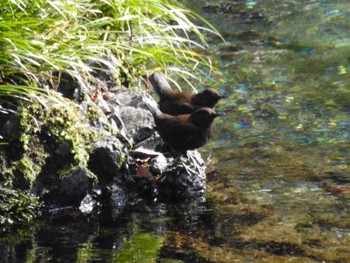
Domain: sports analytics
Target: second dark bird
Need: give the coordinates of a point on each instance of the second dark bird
(176, 103)
(186, 131)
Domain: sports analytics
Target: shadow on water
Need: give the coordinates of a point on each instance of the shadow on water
(152, 232)
(279, 182)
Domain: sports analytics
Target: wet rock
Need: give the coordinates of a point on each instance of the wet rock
(106, 158)
(61, 158)
(153, 142)
(168, 177)
(184, 178)
(118, 199)
(144, 168)
(87, 204)
(10, 129)
(75, 185)
(64, 187)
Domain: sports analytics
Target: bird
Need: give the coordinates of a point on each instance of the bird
(176, 102)
(185, 131)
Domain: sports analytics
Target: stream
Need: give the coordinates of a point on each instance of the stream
(278, 186)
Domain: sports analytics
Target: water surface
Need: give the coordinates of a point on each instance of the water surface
(278, 185)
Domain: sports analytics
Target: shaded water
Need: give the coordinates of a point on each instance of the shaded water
(279, 182)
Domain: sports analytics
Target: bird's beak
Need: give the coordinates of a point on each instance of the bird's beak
(223, 97)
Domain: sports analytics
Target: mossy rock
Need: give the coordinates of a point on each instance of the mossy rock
(17, 206)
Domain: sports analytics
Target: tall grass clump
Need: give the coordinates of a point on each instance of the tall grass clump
(39, 37)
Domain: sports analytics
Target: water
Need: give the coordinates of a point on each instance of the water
(284, 143)
(279, 181)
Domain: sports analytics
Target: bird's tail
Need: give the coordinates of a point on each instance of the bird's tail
(153, 107)
(160, 85)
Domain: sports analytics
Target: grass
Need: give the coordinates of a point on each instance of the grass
(38, 37)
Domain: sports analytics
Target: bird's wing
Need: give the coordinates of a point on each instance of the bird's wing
(187, 107)
(176, 108)
(175, 132)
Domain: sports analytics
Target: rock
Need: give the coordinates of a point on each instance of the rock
(106, 159)
(105, 72)
(127, 98)
(153, 142)
(10, 130)
(123, 124)
(65, 187)
(138, 123)
(87, 204)
(168, 177)
(75, 185)
(63, 149)
(118, 199)
(184, 178)
(130, 114)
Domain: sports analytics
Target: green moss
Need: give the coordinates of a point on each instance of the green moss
(22, 173)
(28, 118)
(17, 206)
(7, 177)
(93, 113)
(6, 174)
(62, 123)
(65, 124)
(25, 171)
(43, 128)
(122, 161)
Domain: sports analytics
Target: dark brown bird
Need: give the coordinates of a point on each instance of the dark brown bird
(186, 131)
(176, 103)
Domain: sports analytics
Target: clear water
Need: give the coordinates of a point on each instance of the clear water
(279, 181)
